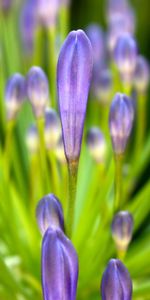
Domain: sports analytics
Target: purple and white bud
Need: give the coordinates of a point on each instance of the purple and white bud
(49, 213)
(74, 72)
(103, 86)
(59, 151)
(59, 266)
(96, 144)
(32, 139)
(141, 75)
(37, 90)
(120, 122)
(96, 37)
(47, 12)
(52, 128)
(116, 282)
(15, 94)
(125, 56)
(122, 229)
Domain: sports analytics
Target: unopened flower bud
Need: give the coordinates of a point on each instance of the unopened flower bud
(125, 56)
(49, 213)
(59, 151)
(14, 95)
(47, 12)
(52, 128)
(96, 144)
(96, 37)
(122, 229)
(38, 91)
(32, 139)
(141, 75)
(74, 72)
(59, 266)
(116, 282)
(120, 121)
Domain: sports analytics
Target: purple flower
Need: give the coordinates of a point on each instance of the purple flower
(47, 12)
(15, 93)
(120, 121)
(32, 139)
(52, 128)
(59, 266)
(122, 229)
(141, 74)
(96, 144)
(49, 213)
(103, 86)
(125, 56)
(28, 24)
(116, 282)
(96, 37)
(37, 90)
(73, 82)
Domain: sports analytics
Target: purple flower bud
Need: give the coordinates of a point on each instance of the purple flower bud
(37, 89)
(122, 229)
(74, 72)
(14, 95)
(59, 266)
(96, 37)
(47, 12)
(125, 56)
(28, 24)
(116, 282)
(141, 74)
(59, 151)
(120, 121)
(117, 8)
(96, 144)
(52, 128)
(32, 139)
(103, 86)
(49, 213)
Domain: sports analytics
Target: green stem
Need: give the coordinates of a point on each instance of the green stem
(141, 122)
(52, 63)
(8, 149)
(54, 174)
(64, 22)
(118, 181)
(72, 178)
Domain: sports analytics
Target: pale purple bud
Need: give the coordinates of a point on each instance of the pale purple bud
(96, 144)
(28, 24)
(37, 90)
(120, 121)
(32, 139)
(96, 37)
(103, 86)
(116, 282)
(125, 56)
(141, 74)
(122, 229)
(15, 93)
(117, 8)
(59, 151)
(74, 72)
(59, 266)
(47, 12)
(52, 128)
(49, 213)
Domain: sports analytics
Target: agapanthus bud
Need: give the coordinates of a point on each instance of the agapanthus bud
(103, 86)
(28, 24)
(47, 12)
(32, 139)
(38, 91)
(49, 213)
(125, 56)
(122, 229)
(74, 72)
(141, 74)
(120, 121)
(116, 282)
(59, 151)
(15, 93)
(96, 144)
(96, 37)
(52, 128)
(59, 266)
